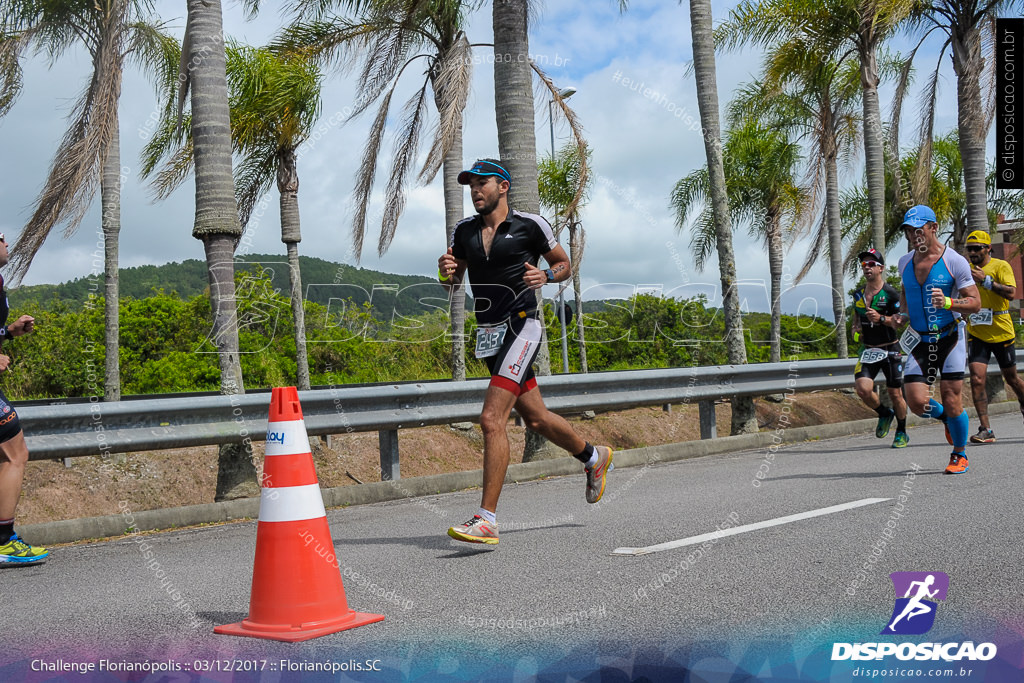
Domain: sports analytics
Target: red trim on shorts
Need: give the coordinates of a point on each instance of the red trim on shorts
(529, 385)
(506, 384)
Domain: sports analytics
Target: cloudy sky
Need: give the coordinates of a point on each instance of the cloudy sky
(642, 145)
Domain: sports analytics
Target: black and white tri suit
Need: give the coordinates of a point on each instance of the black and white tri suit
(499, 293)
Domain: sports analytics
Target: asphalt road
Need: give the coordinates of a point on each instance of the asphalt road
(766, 602)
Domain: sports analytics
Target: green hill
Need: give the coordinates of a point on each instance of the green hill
(322, 281)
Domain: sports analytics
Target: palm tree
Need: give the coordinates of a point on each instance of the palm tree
(275, 101)
(559, 180)
(946, 194)
(390, 36)
(832, 27)
(969, 27)
(743, 417)
(203, 69)
(113, 33)
(760, 164)
(814, 97)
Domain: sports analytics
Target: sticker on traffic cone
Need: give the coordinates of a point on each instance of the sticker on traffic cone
(297, 592)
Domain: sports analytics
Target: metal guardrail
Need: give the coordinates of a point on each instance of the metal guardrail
(101, 429)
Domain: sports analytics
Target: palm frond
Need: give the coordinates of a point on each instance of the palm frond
(582, 152)
(367, 171)
(405, 153)
(176, 169)
(451, 76)
(919, 182)
(75, 171)
(818, 248)
(156, 54)
(334, 41)
(254, 177)
(11, 48)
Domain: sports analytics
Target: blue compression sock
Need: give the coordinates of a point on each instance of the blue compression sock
(958, 427)
(934, 409)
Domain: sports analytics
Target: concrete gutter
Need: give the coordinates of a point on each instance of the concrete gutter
(88, 528)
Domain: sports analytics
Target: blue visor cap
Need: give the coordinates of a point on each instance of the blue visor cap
(484, 168)
(918, 216)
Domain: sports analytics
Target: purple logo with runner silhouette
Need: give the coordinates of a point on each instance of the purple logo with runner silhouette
(916, 593)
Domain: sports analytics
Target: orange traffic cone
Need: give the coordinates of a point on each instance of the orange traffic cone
(297, 592)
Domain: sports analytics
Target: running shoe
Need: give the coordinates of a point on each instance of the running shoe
(949, 437)
(983, 436)
(957, 463)
(901, 440)
(16, 550)
(597, 474)
(882, 428)
(476, 530)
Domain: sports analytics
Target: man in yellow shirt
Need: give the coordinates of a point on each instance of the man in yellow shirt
(990, 330)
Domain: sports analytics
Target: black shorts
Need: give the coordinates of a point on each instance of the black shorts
(946, 356)
(512, 367)
(10, 426)
(891, 367)
(979, 351)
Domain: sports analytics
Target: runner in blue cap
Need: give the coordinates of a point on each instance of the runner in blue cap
(500, 250)
(937, 290)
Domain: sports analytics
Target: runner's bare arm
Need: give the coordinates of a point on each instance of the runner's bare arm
(1008, 292)
(969, 301)
(558, 262)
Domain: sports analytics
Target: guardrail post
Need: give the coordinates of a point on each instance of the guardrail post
(708, 425)
(388, 439)
(667, 408)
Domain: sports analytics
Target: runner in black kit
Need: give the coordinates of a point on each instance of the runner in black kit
(13, 451)
(501, 248)
(874, 325)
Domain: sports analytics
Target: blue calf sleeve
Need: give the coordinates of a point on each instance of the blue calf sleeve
(958, 427)
(933, 409)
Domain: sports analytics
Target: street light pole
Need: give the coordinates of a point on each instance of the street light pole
(563, 94)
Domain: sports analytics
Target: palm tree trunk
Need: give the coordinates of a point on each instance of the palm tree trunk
(291, 235)
(110, 198)
(576, 254)
(743, 418)
(775, 273)
(216, 221)
(835, 247)
(298, 315)
(873, 150)
(453, 213)
(517, 144)
(972, 123)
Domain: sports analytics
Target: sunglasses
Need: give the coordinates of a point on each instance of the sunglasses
(870, 264)
(2, 238)
(974, 247)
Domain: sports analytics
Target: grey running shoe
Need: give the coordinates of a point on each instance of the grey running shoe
(476, 530)
(596, 475)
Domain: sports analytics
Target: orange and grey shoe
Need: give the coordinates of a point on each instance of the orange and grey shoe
(949, 437)
(597, 474)
(957, 463)
(476, 530)
(983, 436)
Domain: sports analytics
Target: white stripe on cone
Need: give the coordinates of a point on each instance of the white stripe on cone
(287, 438)
(291, 503)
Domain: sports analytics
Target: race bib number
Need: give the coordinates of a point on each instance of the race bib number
(909, 340)
(870, 356)
(489, 339)
(982, 317)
